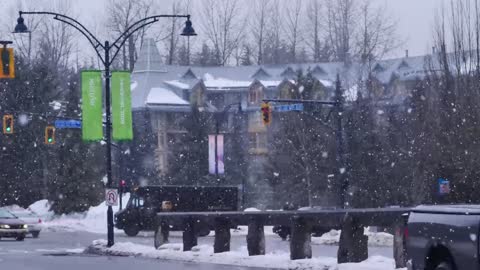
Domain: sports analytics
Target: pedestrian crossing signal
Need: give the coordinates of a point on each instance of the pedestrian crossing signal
(7, 66)
(266, 113)
(50, 135)
(8, 124)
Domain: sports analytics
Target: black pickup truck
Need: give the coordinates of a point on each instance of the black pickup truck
(444, 237)
(140, 211)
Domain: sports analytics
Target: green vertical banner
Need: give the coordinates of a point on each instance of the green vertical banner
(121, 106)
(92, 120)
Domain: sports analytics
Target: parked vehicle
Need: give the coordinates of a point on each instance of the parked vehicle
(11, 226)
(443, 237)
(145, 202)
(31, 219)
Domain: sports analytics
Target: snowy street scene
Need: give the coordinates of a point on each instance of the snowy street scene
(239, 134)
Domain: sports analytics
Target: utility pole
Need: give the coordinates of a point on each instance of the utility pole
(342, 177)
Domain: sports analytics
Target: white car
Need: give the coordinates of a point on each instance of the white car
(31, 219)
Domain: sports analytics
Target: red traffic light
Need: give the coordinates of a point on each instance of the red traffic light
(123, 183)
(266, 113)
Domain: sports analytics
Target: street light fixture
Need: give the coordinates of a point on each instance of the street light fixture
(20, 27)
(110, 51)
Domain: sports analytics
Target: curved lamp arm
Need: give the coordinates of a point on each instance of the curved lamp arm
(137, 26)
(74, 23)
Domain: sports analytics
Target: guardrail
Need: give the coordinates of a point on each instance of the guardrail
(353, 245)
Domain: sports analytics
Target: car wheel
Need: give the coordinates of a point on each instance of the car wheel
(444, 266)
(20, 238)
(131, 230)
(35, 234)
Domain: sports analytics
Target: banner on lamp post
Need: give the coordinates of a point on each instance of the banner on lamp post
(211, 154)
(220, 164)
(92, 120)
(215, 160)
(121, 106)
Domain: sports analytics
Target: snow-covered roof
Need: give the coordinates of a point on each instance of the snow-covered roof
(150, 73)
(162, 96)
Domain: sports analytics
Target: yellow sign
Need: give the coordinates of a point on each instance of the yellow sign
(7, 65)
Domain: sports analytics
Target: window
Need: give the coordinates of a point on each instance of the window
(255, 95)
(258, 142)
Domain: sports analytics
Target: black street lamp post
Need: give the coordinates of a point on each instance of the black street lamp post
(110, 51)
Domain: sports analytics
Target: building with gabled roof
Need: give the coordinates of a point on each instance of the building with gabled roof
(162, 95)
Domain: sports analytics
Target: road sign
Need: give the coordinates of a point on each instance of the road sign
(443, 186)
(289, 107)
(68, 124)
(111, 197)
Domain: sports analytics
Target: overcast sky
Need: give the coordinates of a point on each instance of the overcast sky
(415, 18)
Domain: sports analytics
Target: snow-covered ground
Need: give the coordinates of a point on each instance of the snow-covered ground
(93, 220)
(375, 239)
(204, 254)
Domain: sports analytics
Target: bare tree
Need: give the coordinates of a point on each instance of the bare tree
(314, 13)
(258, 25)
(293, 27)
(274, 34)
(122, 14)
(223, 27)
(172, 39)
(340, 20)
(377, 33)
(25, 43)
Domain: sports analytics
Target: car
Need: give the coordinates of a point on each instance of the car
(31, 219)
(443, 237)
(11, 226)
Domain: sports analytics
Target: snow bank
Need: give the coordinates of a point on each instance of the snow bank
(93, 220)
(204, 254)
(42, 209)
(379, 239)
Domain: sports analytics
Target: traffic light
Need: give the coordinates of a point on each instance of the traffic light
(266, 113)
(123, 186)
(7, 70)
(50, 135)
(8, 124)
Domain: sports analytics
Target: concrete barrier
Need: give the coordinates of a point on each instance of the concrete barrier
(353, 245)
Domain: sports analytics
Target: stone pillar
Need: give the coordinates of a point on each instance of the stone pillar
(256, 238)
(189, 235)
(300, 241)
(222, 236)
(161, 234)
(353, 246)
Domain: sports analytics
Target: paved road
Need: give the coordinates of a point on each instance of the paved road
(49, 252)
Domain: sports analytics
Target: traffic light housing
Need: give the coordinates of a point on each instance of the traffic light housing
(123, 186)
(7, 66)
(266, 113)
(50, 135)
(8, 124)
